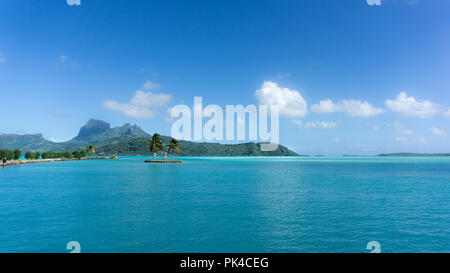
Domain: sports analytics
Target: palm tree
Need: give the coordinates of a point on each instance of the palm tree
(91, 150)
(174, 146)
(155, 144)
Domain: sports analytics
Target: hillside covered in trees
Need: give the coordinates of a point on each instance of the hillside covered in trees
(129, 140)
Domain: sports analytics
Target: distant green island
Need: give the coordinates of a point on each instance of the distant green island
(129, 140)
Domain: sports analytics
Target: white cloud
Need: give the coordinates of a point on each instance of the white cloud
(299, 123)
(447, 114)
(438, 132)
(321, 124)
(401, 140)
(376, 128)
(325, 106)
(129, 110)
(62, 58)
(140, 104)
(354, 108)
(409, 106)
(315, 124)
(291, 102)
(149, 99)
(405, 141)
(2, 58)
(73, 2)
(402, 129)
(148, 85)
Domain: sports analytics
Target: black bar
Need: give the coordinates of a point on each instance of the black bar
(231, 262)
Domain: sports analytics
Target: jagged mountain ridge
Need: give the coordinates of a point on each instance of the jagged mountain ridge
(129, 140)
(97, 130)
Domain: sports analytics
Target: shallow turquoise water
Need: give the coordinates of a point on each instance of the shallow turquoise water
(221, 204)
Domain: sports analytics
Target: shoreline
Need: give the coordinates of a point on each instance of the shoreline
(36, 161)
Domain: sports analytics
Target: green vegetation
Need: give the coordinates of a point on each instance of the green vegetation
(97, 130)
(79, 154)
(30, 155)
(17, 154)
(155, 144)
(140, 146)
(8, 154)
(130, 140)
(174, 146)
(91, 150)
(53, 155)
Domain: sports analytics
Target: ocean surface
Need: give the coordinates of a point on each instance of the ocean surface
(222, 204)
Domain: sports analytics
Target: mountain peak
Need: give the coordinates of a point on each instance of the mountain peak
(97, 130)
(95, 123)
(93, 128)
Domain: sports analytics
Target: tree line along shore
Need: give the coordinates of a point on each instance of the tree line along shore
(12, 157)
(16, 154)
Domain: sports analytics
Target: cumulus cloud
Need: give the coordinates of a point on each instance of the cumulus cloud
(438, 132)
(354, 108)
(148, 85)
(73, 2)
(315, 124)
(149, 99)
(2, 58)
(409, 106)
(129, 110)
(291, 102)
(139, 105)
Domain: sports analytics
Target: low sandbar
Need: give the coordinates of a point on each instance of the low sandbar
(35, 161)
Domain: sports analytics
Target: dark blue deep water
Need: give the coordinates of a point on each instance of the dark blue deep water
(228, 205)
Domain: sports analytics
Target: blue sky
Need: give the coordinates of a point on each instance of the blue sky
(381, 72)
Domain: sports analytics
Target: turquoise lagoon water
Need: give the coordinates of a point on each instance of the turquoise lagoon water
(228, 205)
